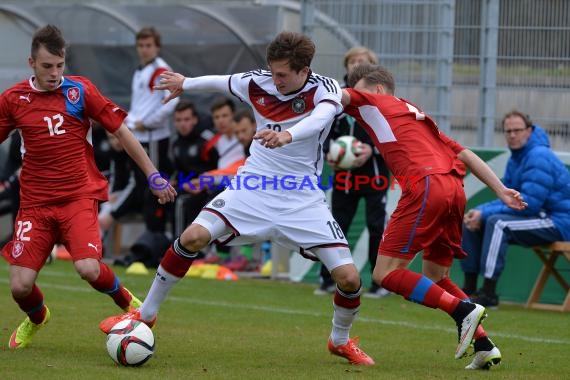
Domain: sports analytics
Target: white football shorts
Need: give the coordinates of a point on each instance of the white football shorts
(299, 219)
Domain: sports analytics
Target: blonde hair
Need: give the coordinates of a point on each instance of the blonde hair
(358, 50)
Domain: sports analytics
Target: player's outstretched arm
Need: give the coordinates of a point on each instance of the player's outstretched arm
(177, 83)
(172, 82)
(312, 125)
(481, 170)
(160, 187)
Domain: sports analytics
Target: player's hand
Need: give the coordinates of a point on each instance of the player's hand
(105, 221)
(272, 139)
(113, 197)
(472, 220)
(512, 199)
(139, 126)
(172, 82)
(163, 191)
(363, 154)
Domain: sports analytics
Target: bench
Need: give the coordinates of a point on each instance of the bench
(548, 255)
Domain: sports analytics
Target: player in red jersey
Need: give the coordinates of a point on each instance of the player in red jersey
(60, 184)
(430, 168)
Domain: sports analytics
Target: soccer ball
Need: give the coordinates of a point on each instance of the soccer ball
(342, 151)
(130, 343)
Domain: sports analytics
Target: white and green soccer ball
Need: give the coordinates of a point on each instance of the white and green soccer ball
(343, 150)
(130, 343)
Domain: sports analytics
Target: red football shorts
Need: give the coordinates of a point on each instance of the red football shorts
(429, 218)
(73, 224)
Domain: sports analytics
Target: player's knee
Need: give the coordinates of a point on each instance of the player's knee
(88, 269)
(350, 284)
(89, 275)
(378, 277)
(194, 238)
(434, 272)
(21, 289)
(347, 278)
(386, 265)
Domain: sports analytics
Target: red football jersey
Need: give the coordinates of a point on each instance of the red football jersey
(58, 162)
(408, 139)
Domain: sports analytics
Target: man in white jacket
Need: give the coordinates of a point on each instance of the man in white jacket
(150, 120)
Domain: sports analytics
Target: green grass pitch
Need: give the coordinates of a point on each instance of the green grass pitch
(262, 329)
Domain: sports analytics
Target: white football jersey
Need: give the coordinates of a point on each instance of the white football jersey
(302, 158)
(146, 103)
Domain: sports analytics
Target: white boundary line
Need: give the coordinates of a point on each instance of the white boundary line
(278, 310)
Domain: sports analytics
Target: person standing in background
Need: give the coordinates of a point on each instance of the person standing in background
(190, 161)
(123, 197)
(10, 175)
(150, 120)
(344, 200)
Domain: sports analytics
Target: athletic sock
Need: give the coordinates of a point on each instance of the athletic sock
(173, 267)
(483, 344)
(33, 305)
(418, 288)
(109, 283)
(346, 306)
(461, 311)
(452, 288)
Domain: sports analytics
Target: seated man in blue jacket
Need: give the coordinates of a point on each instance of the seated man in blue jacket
(544, 182)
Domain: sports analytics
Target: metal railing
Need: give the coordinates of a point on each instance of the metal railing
(468, 62)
